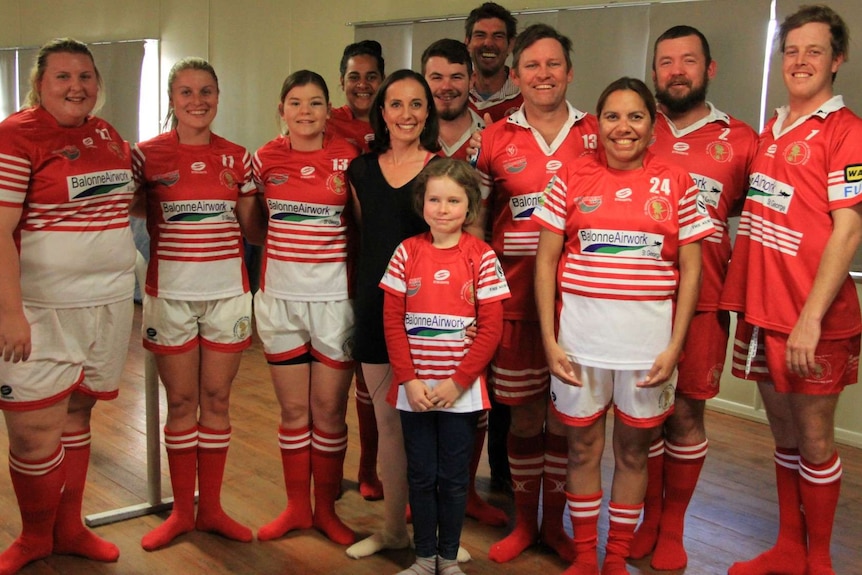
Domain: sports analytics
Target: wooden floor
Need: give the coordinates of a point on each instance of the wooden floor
(733, 515)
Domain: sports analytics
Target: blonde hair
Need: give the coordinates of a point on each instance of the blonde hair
(190, 63)
(58, 46)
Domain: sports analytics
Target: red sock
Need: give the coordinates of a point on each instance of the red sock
(327, 468)
(623, 520)
(182, 448)
(369, 483)
(790, 550)
(212, 456)
(584, 514)
(682, 466)
(819, 487)
(647, 532)
(295, 447)
(38, 487)
(478, 508)
(526, 461)
(70, 535)
(554, 497)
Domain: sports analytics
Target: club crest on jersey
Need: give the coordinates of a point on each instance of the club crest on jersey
(94, 184)
(468, 292)
(587, 204)
(276, 179)
(770, 192)
(622, 243)
(720, 151)
(434, 325)
(228, 179)
(168, 179)
(797, 153)
(853, 173)
(515, 166)
(658, 208)
(523, 206)
(335, 183)
(413, 286)
(69, 152)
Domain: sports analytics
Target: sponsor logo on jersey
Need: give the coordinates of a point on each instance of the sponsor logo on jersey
(276, 179)
(199, 168)
(307, 171)
(228, 179)
(435, 325)
(770, 192)
(511, 149)
(553, 165)
(198, 211)
(710, 189)
(468, 292)
(620, 243)
(700, 204)
(515, 166)
(658, 208)
(441, 277)
(522, 206)
(336, 184)
(720, 151)
(797, 153)
(168, 179)
(68, 152)
(770, 151)
(413, 286)
(853, 173)
(304, 213)
(681, 148)
(587, 204)
(623, 195)
(88, 143)
(84, 186)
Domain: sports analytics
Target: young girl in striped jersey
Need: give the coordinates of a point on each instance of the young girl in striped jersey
(437, 284)
(303, 311)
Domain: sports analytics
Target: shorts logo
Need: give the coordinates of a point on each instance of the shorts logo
(228, 179)
(6, 391)
(413, 286)
(168, 179)
(665, 400)
(347, 347)
(468, 292)
(797, 153)
(821, 370)
(853, 173)
(242, 328)
(713, 377)
(515, 166)
(276, 179)
(587, 204)
(152, 334)
(69, 152)
(719, 151)
(658, 208)
(336, 184)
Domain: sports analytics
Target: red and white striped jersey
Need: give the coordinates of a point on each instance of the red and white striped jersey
(801, 173)
(501, 104)
(517, 166)
(192, 192)
(73, 186)
(717, 152)
(306, 194)
(442, 289)
(358, 132)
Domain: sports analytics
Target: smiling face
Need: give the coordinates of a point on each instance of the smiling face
(450, 84)
(445, 207)
(361, 80)
(625, 129)
(194, 99)
(542, 74)
(488, 45)
(808, 64)
(405, 110)
(680, 74)
(305, 111)
(69, 87)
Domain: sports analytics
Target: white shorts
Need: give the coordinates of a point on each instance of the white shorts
(637, 406)
(177, 326)
(77, 349)
(289, 329)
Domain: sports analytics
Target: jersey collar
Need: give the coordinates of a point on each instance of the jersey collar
(519, 119)
(714, 115)
(833, 104)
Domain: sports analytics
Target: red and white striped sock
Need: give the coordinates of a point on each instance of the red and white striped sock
(623, 520)
(819, 488)
(584, 514)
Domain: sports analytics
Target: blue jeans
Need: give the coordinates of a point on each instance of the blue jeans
(439, 447)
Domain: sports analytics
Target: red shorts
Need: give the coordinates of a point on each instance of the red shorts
(703, 355)
(519, 370)
(837, 360)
